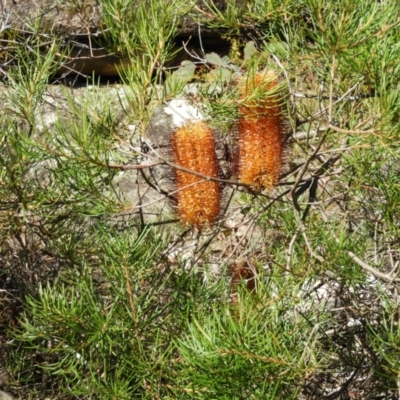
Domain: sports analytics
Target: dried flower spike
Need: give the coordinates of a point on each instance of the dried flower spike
(199, 200)
(261, 133)
(242, 272)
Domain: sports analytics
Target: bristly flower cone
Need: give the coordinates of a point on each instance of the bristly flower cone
(199, 201)
(261, 134)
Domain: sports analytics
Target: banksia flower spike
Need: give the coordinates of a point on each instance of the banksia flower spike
(261, 133)
(199, 200)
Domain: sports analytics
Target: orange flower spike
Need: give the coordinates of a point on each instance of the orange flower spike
(199, 201)
(261, 134)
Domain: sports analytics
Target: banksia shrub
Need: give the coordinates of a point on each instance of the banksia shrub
(199, 200)
(261, 128)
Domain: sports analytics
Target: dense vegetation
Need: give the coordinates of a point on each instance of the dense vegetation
(292, 294)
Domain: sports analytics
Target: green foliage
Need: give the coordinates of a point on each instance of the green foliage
(143, 32)
(239, 15)
(99, 326)
(143, 29)
(253, 349)
(109, 308)
(175, 82)
(28, 81)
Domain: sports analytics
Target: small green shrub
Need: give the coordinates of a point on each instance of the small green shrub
(107, 305)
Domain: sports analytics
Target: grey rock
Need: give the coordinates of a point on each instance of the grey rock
(5, 396)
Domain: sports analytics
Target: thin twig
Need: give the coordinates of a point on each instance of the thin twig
(303, 171)
(378, 274)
